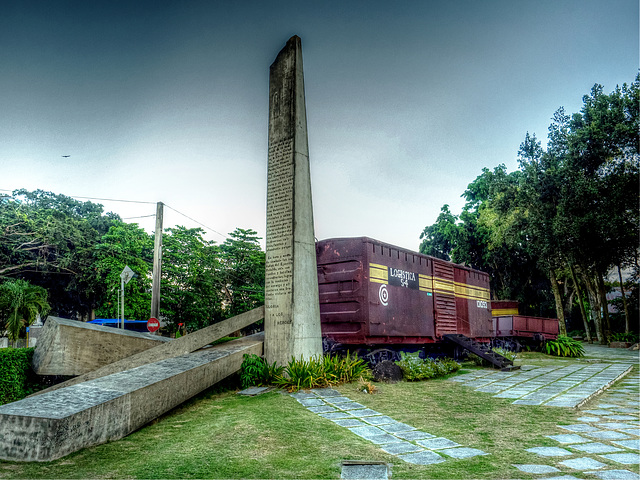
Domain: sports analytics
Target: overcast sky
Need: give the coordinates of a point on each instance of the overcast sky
(406, 101)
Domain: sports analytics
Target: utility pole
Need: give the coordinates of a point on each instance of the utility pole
(157, 263)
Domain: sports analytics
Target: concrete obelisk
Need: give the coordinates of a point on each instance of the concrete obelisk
(292, 313)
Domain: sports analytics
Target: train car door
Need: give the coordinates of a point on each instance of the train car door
(444, 298)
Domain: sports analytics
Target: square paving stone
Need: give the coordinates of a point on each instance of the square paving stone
(589, 419)
(321, 409)
(311, 402)
(414, 435)
(608, 435)
(583, 463)
(550, 451)
(349, 422)
(379, 420)
(301, 395)
(462, 452)
(436, 443)
(397, 427)
(614, 425)
(579, 428)
(363, 412)
(335, 415)
(632, 431)
(325, 392)
(624, 458)
(335, 400)
(568, 438)
(349, 405)
(597, 412)
(563, 477)
(368, 431)
(537, 468)
(615, 475)
(595, 447)
(383, 439)
(426, 457)
(400, 448)
(633, 444)
(621, 417)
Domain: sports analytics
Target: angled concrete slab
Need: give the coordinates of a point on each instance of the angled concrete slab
(54, 424)
(70, 347)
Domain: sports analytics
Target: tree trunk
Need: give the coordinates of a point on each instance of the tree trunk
(602, 294)
(583, 312)
(595, 307)
(624, 302)
(558, 298)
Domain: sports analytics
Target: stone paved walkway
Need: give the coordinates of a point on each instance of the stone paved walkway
(562, 386)
(396, 438)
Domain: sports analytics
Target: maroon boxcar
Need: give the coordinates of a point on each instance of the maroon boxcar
(373, 293)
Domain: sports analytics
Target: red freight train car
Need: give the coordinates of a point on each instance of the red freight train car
(373, 293)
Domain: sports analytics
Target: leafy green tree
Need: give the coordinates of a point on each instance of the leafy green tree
(125, 244)
(243, 264)
(191, 291)
(439, 239)
(20, 304)
(48, 240)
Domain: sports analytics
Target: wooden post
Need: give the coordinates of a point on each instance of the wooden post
(157, 263)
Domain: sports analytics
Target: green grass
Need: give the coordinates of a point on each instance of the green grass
(222, 435)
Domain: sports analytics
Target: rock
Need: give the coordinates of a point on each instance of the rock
(635, 347)
(619, 344)
(387, 371)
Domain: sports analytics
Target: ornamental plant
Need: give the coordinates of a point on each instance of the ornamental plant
(415, 368)
(563, 346)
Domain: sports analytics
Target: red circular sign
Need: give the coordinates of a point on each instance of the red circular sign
(153, 324)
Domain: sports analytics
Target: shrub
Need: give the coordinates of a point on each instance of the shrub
(415, 368)
(564, 346)
(300, 373)
(255, 371)
(624, 337)
(17, 380)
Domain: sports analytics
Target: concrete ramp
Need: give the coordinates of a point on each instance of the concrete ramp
(70, 347)
(59, 422)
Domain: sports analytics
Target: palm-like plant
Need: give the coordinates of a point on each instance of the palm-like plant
(20, 304)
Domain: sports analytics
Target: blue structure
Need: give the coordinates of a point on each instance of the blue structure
(133, 325)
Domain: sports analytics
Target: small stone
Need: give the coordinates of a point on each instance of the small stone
(251, 391)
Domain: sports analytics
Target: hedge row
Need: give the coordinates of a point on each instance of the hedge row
(16, 376)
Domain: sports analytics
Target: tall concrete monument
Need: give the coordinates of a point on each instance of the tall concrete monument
(292, 316)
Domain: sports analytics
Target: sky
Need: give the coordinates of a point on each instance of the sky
(160, 101)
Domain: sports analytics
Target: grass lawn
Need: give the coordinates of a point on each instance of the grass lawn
(222, 435)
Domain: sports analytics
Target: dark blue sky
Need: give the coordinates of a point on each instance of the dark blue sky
(406, 101)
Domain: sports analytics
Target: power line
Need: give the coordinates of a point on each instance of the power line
(95, 198)
(142, 216)
(194, 220)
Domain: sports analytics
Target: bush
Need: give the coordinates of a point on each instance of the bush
(17, 380)
(564, 346)
(255, 371)
(314, 373)
(624, 337)
(415, 368)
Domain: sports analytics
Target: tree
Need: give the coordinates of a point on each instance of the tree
(191, 279)
(125, 244)
(439, 239)
(243, 264)
(20, 304)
